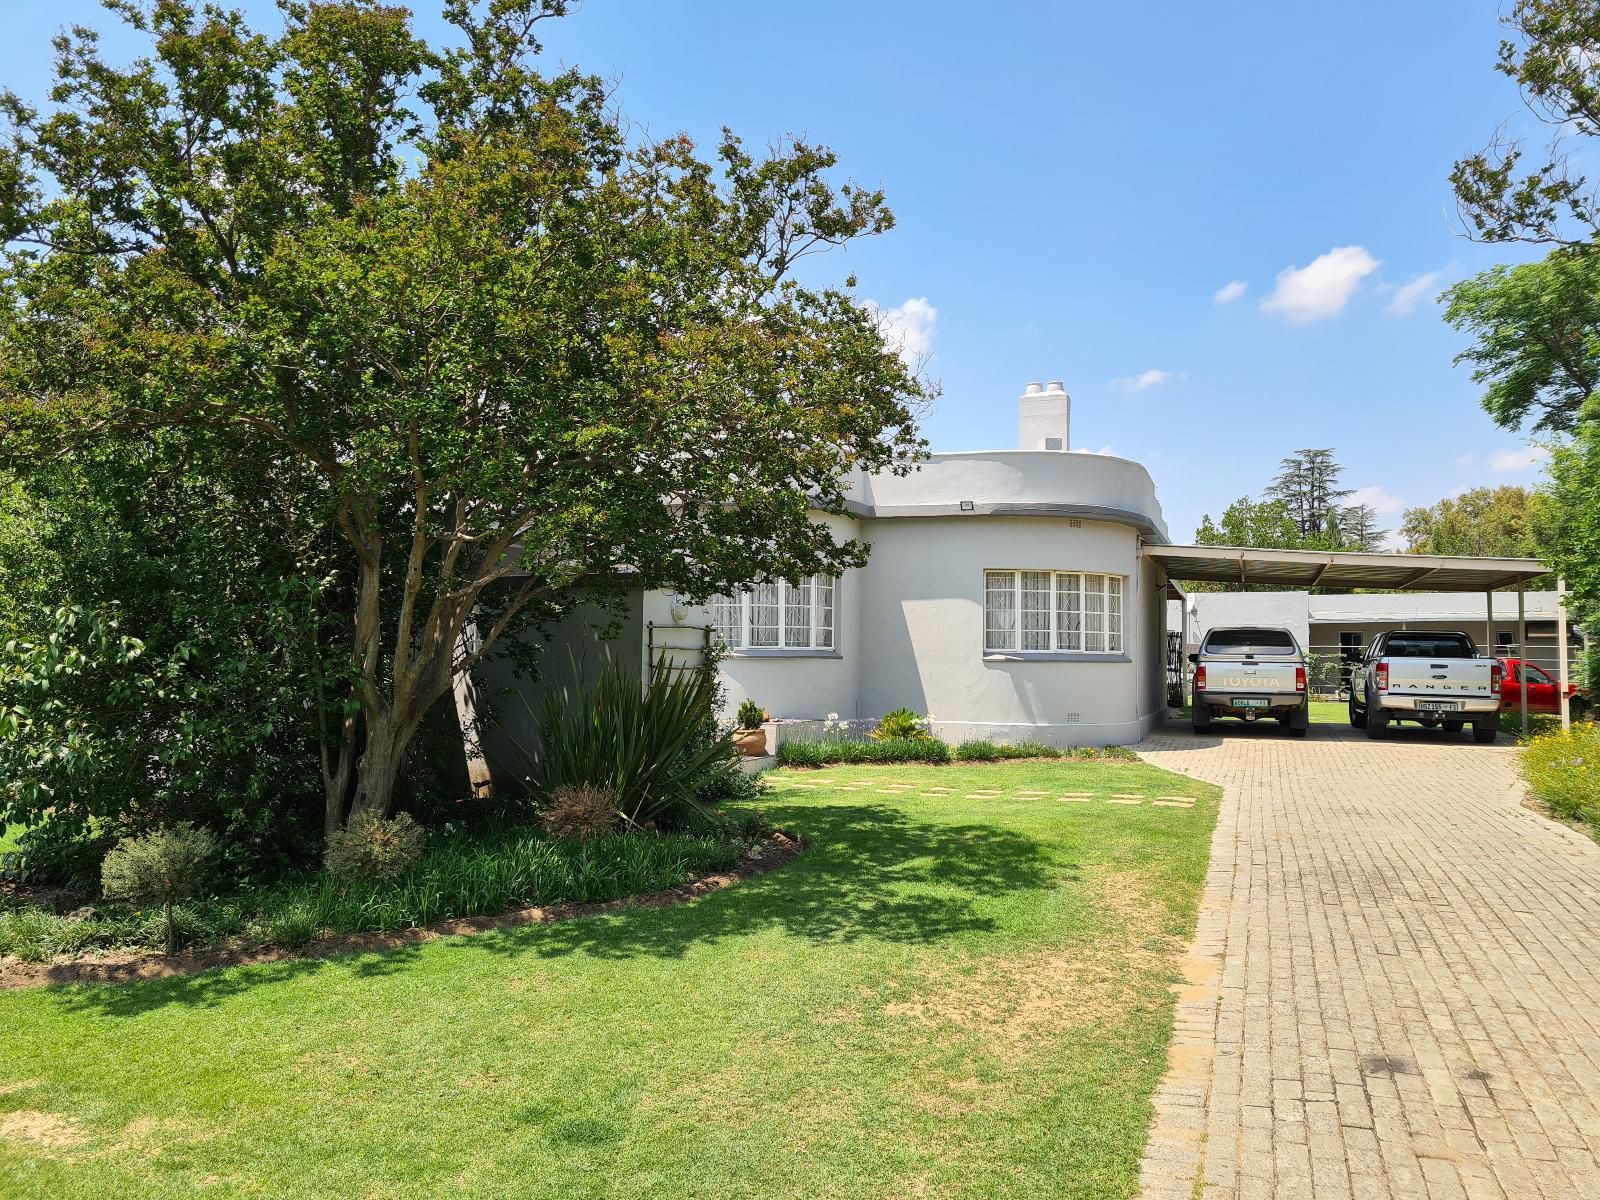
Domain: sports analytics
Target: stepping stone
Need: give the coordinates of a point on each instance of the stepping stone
(983, 795)
(1121, 799)
(1177, 799)
(1033, 793)
(1074, 798)
(1174, 804)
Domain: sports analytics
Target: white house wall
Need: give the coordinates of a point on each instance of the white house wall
(922, 632)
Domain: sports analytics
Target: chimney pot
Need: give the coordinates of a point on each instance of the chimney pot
(1034, 387)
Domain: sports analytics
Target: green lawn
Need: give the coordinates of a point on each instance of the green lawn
(944, 995)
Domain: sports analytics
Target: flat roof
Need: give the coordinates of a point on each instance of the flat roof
(1290, 569)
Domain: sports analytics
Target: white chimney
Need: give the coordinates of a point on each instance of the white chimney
(1044, 413)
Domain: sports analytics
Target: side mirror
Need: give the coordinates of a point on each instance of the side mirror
(1194, 658)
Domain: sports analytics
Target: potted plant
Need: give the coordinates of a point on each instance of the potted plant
(749, 736)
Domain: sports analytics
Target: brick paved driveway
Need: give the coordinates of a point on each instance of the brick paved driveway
(1395, 984)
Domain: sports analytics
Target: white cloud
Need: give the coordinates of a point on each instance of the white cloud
(1149, 379)
(1105, 450)
(1229, 292)
(1380, 501)
(908, 327)
(1408, 295)
(1502, 461)
(1464, 460)
(1321, 288)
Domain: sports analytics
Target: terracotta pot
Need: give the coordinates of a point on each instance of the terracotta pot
(752, 743)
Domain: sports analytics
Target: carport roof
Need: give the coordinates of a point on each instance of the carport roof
(1296, 569)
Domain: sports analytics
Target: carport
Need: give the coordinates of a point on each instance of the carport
(1293, 570)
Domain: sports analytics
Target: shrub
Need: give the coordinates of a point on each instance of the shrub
(370, 847)
(579, 812)
(751, 714)
(901, 724)
(805, 753)
(1563, 770)
(983, 750)
(292, 927)
(654, 746)
(977, 750)
(60, 854)
(1538, 723)
(160, 867)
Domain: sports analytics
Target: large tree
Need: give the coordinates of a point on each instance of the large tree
(1499, 522)
(518, 360)
(1537, 327)
(1308, 484)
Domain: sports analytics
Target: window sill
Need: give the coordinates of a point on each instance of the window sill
(1062, 656)
(782, 652)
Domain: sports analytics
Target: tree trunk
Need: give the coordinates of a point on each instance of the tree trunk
(379, 768)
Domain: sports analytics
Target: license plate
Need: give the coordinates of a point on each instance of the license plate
(1439, 705)
(1252, 703)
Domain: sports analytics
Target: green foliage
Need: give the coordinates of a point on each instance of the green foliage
(1538, 723)
(473, 342)
(1570, 542)
(1535, 332)
(983, 750)
(1563, 770)
(901, 724)
(751, 714)
(166, 668)
(1300, 509)
(374, 847)
(806, 753)
(57, 854)
(1551, 58)
(1499, 522)
(160, 867)
(461, 877)
(647, 744)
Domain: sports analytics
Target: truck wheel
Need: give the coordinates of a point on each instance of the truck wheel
(1377, 723)
(1484, 732)
(1298, 722)
(1201, 719)
(1358, 716)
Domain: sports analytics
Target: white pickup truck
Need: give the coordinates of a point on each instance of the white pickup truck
(1250, 672)
(1438, 680)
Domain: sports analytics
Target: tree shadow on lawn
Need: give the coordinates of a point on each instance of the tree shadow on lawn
(208, 989)
(867, 873)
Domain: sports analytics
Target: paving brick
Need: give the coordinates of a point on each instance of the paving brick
(1396, 989)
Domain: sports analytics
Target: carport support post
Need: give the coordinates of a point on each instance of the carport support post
(1488, 628)
(1522, 654)
(1561, 649)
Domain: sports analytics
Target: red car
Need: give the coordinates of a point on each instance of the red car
(1542, 690)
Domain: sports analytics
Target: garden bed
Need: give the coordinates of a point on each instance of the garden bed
(126, 965)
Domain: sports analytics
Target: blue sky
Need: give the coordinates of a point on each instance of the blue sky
(1076, 183)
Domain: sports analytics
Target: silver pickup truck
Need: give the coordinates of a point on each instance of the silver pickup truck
(1438, 680)
(1250, 672)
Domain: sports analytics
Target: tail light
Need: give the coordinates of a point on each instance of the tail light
(1496, 678)
(1299, 679)
(1200, 678)
(1383, 676)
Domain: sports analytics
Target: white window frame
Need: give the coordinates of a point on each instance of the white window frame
(821, 603)
(1103, 586)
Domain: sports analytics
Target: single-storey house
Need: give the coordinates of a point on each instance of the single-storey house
(1019, 595)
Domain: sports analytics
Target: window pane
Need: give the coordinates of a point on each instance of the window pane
(725, 619)
(1094, 613)
(1036, 610)
(764, 615)
(1114, 613)
(797, 614)
(824, 590)
(1000, 610)
(1069, 611)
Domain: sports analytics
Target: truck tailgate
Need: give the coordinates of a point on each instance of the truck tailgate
(1457, 678)
(1249, 676)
